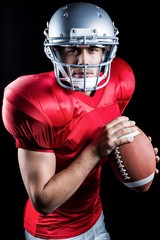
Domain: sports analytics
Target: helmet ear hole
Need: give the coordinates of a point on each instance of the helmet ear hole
(106, 53)
(109, 53)
(48, 52)
(112, 53)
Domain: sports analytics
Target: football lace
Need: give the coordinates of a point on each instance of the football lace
(120, 164)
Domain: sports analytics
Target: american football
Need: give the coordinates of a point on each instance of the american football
(134, 163)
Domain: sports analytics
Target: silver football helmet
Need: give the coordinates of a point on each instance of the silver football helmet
(79, 24)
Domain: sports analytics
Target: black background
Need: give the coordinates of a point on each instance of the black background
(129, 215)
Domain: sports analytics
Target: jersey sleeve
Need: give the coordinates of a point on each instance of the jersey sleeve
(126, 83)
(26, 123)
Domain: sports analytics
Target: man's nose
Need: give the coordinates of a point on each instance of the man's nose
(83, 57)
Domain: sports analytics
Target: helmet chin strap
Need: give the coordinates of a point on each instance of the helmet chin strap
(85, 84)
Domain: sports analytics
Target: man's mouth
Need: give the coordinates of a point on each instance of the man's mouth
(81, 75)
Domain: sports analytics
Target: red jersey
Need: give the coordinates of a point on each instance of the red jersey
(43, 116)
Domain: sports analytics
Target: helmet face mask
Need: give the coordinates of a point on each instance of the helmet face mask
(70, 26)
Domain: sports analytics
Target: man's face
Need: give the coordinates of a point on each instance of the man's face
(82, 56)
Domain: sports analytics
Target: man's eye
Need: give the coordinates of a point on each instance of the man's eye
(93, 49)
(72, 51)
